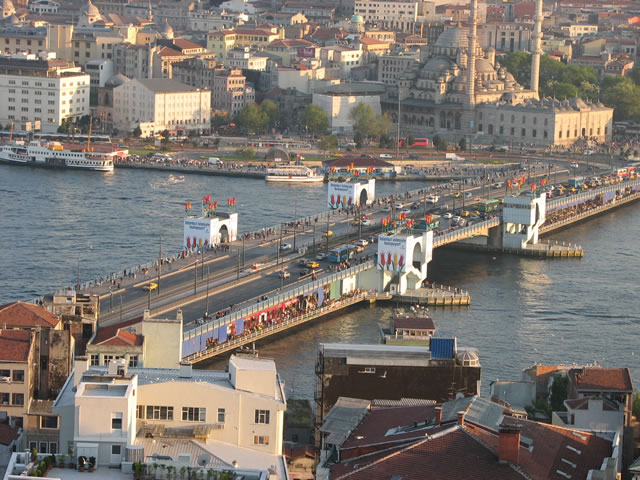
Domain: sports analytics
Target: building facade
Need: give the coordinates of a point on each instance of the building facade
(230, 92)
(160, 104)
(400, 15)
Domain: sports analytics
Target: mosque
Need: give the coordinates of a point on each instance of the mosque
(458, 91)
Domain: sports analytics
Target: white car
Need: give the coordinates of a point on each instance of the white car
(366, 223)
(448, 215)
(433, 199)
(456, 220)
(387, 208)
(285, 246)
(406, 211)
(399, 206)
(386, 155)
(321, 256)
(362, 242)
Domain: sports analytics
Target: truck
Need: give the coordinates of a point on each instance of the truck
(215, 161)
(576, 182)
(453, 156)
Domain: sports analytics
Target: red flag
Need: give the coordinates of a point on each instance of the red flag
(533, 186)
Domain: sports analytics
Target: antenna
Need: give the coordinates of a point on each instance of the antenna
(204, 459)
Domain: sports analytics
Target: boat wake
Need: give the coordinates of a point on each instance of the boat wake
(171, 180)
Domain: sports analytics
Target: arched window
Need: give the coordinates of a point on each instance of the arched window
(458, 121)
(490, 129)
(443, 120)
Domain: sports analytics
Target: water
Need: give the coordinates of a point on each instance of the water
(523, 310)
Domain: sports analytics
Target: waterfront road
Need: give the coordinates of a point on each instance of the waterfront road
(251, 268)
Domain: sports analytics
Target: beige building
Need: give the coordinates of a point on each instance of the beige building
(48, 90)
(400, 15)
(230, 92)
(244, 59)
(14, 39)
(17, 374)
(160, 104)
(391, 66)
(134, 61)
(222, 41)
(578, 29)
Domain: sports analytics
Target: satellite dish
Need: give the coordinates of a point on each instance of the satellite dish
(204, 459)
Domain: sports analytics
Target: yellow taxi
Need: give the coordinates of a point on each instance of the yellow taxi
(150, 286)
(327, 234)
(465, 213)
(312, 264)
(149, 147)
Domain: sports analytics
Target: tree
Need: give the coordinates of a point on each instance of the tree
(410, 140)
(137, 131)
(635, 75)
(386, 141)
(358, 139)
(165, 136)
(252, 119)
(462, 144)
(314, 119)
(219, 119)
(272, 112)
(623, 95)
(440, 143)
(364, 119)
(329, 144)
(559, 393)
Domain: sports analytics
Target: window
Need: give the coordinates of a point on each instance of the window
(261, 440)
(140, 412)
(221, 415)
(18, 422)
(115, 450)
(5, 373)
(4, 398)
(33, 445)
(18, 376)
(43, 447)
(95, 359)
(262, 416)
(159, 413)
(53, 448)
(524, 132)
(49, 421)
(133, 360)
(116, 421)
(193, 414)
(17, 399)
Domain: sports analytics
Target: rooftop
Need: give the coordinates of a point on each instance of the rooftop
(598, 378)
(23, 314)
(14, 345)
(166, 85)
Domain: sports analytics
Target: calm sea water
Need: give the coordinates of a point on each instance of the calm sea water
(523, 310)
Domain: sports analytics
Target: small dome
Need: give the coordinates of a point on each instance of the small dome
(357, 19)
(167, 31)
(90, 9)
(483, 66)
(438, 65)
(467, 358)
(456, 37)
(13, 19)
(116, 80)
(8, 8)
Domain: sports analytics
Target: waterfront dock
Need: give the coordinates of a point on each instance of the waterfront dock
(435, 296)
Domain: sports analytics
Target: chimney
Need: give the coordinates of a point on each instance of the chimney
(438, 416)
(185, 370)
(509, 444)
(461, 418)
(179, 316)
(146, 315)
(80, 366)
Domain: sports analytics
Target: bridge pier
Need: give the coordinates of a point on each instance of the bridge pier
(402, 261)
(522, 217)
(495, 238)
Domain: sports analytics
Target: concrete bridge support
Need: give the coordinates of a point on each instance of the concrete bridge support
(521, 219)
(495, 239)
(402, 261)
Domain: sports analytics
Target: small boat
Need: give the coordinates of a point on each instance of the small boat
(293, 173)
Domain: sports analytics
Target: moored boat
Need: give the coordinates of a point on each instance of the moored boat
(293, 173)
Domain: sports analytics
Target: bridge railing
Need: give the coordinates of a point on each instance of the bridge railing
(275, 300)
(464, 232)
(556, 203)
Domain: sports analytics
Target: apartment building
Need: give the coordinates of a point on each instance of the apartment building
(134, 61)
(14, 39)
(244, 59)
(391, 66)
(230, 92)
(236, 415)
(45, 89)
(160, 104)
(222, 41)
(400, 15)
(17, 376)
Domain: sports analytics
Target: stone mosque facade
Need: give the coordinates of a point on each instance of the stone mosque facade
(458, 90)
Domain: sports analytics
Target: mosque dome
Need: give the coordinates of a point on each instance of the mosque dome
(468, 359)
(167, 30)
(437, 65)
(90, 9)
(456, 37)
(357, 19)
(13, 19)
(116, 80)
(8, 8)
(483, 66)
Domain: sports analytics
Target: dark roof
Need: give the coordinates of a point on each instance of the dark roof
(15, 345)
(417, 323)
(583, 404)
(26, 315)
(359, 162)
(165, 85)
(8, 434)
(599, 379)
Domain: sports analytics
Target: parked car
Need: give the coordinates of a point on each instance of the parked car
(366, 222)
(386, 155)
(448, 215)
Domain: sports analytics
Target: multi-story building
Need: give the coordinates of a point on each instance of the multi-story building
(244, 59)
(506, 37)
(400, 15)
(230, 92)
(236, 416)
(44, 6)
(99, 72)
(48, 90)
(14, 39)
(222, 41)
(391, 66)
(134, 61)
(197, 72)
(342, 59)
(164, 58)
(17, 374)
(316, 12)
(578, 29)
(206, 20)
(160, 104)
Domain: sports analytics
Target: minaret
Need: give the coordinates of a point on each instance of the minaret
(470, 99)
(536, 48)
(150, 12)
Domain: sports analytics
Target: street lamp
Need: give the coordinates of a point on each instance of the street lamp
(120, 294)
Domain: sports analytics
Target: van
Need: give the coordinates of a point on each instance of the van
(215, 161)
(386, 155)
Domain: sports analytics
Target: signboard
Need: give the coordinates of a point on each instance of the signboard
(341, 195)
(197, 233)
(392, 254)
(306, 52)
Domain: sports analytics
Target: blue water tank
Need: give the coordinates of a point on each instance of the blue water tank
(443, 348)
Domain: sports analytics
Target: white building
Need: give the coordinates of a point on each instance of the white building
(99, 72)
(160, 104)
(244, 59)
(342, 59)
(48, 90)
(236, 416)
(522, 217)
(44, 6)
(338, 100)
(400, 15)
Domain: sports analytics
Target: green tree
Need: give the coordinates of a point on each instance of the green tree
(165, 136)
(559, 393)
(252, 119)
(410, 140)
(386, 141)
(314, 119)
(219, 119)
(137, 131)
(463, 144)
(384, 123)
(358, 139)
(440, 143)
(364, 120)
(623, 95)
(329, 144)
(561, 90)
(636, 406)
(635, 75)
(272, 112)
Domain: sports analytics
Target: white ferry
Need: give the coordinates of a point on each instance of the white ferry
(53, 154)
(293, 173)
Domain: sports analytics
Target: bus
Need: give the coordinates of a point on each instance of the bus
(488, 206)
(417, 143)
(341, 254)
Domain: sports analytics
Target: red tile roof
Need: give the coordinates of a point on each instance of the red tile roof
(602, 379)
(14, 345)
(26, 315)
(170, 52)
(186, 44)
(451, 454)
(359, 162)
(7, 434)
(113, 335)
(583, 404)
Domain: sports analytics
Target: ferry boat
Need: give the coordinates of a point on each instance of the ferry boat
(53, 154)
(293, 173)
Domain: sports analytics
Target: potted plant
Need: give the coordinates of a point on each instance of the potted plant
(34, 455)
(62, 460)
(137, 470)
(81, 464)
(92, 464)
